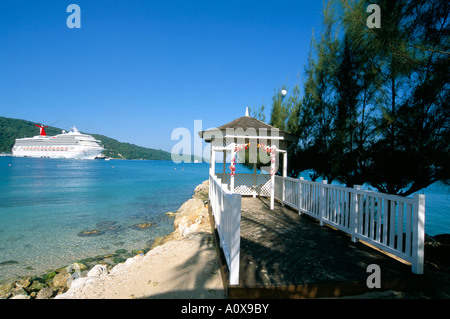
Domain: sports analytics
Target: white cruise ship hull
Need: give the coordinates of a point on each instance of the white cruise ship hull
(75, 154)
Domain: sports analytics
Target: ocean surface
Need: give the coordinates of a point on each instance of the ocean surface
(46, 204)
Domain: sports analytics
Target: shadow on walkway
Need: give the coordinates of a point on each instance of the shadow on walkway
(284, 254)
(198, 276)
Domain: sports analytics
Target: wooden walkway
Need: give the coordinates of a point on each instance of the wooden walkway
(287, 255)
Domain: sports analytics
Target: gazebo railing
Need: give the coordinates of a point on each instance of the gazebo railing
(391, 223)
(248, 184)
(226, 209)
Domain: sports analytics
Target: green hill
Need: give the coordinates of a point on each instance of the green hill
(10, 129)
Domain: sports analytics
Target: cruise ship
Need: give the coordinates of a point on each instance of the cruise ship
(72, 144)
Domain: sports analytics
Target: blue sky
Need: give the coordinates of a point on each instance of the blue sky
(136, 70)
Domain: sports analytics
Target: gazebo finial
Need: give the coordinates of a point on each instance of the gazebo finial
(246, 111)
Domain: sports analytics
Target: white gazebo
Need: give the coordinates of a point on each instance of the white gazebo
(262, 141)
(354, 211)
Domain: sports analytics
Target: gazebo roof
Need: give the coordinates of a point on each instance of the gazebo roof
(247, 122)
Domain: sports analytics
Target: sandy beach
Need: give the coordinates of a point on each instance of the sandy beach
(183, 268)
(181, 265)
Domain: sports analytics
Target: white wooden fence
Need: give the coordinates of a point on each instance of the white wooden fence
(248, 184)
(226, 209)
(392, 223)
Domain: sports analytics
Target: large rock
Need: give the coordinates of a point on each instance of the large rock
(97, 271)
(78, 283)
(18, 291)
(443, 239)
(8, 262)
(90, 233)
(189, 207)
(202, 191)
(78, 267)
(60, 280)
(5, 290)
(191, 217)
(142, 226)
(437, 251)
(24, 283)
(44, 293)
(36, 285)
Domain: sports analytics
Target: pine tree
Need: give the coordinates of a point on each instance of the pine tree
(279, 113)
(375, 101)
(410, 55)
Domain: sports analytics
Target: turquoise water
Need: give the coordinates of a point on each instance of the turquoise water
(46, 203)
(437, 209)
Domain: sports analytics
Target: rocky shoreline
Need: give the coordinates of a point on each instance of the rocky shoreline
(191, 217)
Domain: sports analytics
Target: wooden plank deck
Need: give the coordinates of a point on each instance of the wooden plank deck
(287, 255)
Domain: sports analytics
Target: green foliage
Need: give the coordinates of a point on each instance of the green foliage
(258, 113)
(10, 129)
(116, 149)
(279, 113)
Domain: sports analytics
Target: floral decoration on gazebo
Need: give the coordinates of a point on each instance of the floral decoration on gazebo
(269, 149)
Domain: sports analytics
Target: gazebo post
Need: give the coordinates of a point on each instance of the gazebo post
(224, 163)
(233, 154)
(283, 196)
(254, 179)
(212, 165)
(272, 185)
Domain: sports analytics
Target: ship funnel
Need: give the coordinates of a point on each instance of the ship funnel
(42, 129)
